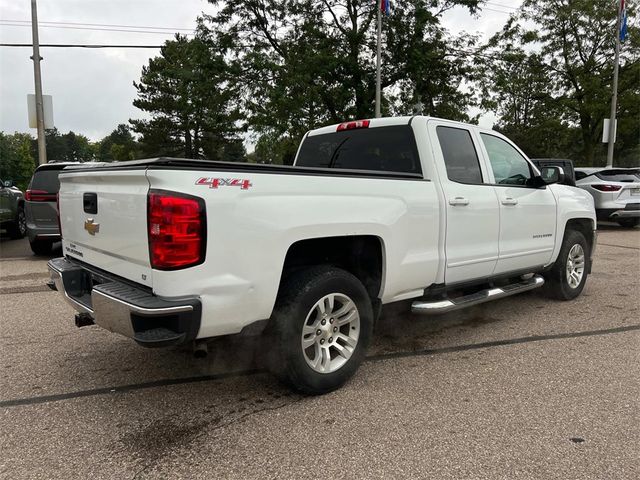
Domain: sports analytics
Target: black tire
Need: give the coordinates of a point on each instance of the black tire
(556, 282)
(18, 228)
(629, 222)
(298, 295)
(41, 247)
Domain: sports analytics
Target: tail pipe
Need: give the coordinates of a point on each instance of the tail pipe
(84, 320)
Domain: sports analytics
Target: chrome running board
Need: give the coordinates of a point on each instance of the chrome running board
(431, 307)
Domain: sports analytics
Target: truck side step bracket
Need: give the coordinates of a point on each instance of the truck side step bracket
(432, 307)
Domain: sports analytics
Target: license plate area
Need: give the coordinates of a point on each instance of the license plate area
(635, 191)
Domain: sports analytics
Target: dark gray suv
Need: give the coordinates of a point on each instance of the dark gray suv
(41, 210)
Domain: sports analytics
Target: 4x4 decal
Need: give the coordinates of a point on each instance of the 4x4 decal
(244, 184)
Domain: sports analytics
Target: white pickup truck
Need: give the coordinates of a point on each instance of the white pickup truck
(449, 215)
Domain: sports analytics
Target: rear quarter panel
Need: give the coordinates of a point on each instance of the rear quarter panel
(249, 232)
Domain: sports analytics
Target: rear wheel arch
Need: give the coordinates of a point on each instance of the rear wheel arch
(361, 255)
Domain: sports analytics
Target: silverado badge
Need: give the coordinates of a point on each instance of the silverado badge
(91, 227)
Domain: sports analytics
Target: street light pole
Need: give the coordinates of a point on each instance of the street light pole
(42, 147)
(614, 95)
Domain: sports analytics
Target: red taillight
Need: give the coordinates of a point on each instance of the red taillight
(39, 196)
(607, 188)
(353, 125)
(177, 230)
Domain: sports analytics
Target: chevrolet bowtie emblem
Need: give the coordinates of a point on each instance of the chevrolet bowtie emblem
(91, 227)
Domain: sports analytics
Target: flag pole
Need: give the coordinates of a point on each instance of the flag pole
(378, 60)
(614, 95)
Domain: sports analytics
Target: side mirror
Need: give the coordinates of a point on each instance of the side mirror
(7, 184)
(552, 175)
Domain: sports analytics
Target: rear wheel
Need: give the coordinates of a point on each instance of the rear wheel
(41, 247)
(567, 277)
(18, 228)
(320, 329)
(629, 222)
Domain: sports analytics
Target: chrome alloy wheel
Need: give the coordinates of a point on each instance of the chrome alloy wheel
(575, 266)
(22, 222)
(330, 333)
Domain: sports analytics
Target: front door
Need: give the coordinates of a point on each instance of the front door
(527, 213)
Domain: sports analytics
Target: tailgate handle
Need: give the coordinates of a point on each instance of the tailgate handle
(90, 203)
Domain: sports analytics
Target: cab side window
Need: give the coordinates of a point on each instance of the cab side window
(460, 155)
(508, 165)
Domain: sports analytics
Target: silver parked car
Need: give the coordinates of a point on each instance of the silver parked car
(616, 193)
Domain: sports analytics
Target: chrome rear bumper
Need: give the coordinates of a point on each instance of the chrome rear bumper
(121, 308)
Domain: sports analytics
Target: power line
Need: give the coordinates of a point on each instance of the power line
(70, 45)
(96, 29)
(497, 11)
(99, 25)
(454, 52)
(501, 5)
(41, 23)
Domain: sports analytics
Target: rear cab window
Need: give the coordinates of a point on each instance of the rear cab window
(378, 149)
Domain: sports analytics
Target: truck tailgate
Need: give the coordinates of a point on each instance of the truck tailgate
(103, 215)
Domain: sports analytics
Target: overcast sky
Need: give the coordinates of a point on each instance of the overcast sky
(93, 89)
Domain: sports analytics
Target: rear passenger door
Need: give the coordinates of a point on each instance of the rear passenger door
(527, 213)
(472, 211)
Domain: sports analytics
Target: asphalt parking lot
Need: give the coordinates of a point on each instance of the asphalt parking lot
(524, 387)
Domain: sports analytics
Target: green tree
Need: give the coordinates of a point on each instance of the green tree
(119, 145)
(568, 75)
(307, 63)
(68, 147)
(515, 86)
(190, 100)
(16, 160)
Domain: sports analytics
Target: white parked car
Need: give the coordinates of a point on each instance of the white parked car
(616, 193)
(449, 215)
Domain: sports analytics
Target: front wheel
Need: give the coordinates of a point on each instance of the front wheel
(320, 329)
(567, 277)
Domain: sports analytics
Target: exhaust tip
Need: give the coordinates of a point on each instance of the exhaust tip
(200, 350)
(84, 320)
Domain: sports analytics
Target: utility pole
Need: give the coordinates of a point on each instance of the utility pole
(378, 61)
(614, 95)
(42, 147)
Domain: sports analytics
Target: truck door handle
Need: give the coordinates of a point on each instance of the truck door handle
(509, 201)
(458, 201)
